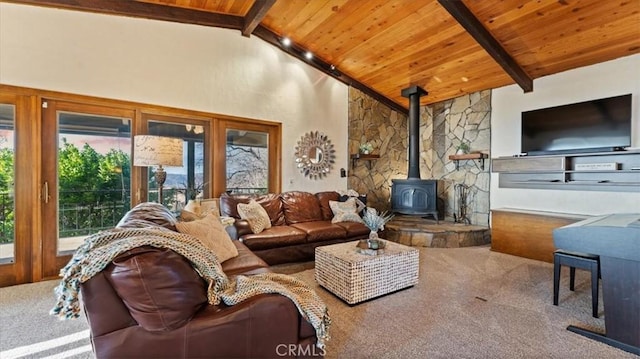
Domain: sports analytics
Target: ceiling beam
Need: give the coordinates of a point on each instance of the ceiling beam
(143, 10)
(472, 25)
(299, 53)
(255, 15)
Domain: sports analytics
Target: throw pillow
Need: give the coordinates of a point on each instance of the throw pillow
(187, 216)
(210, 206)
(212, 235)
(199, 209)
(255, 215)
(345, 211)
(193, 206)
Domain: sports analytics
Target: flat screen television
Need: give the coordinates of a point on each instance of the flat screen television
(590, 126)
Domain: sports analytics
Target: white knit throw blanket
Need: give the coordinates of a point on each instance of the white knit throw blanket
(101, 248)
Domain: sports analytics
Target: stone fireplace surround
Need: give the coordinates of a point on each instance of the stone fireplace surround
(442, 127)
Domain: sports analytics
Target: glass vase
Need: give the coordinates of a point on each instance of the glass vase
(373, 235)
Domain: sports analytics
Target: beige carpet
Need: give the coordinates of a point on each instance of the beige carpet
(469, 303)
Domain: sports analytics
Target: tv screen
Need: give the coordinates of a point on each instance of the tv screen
(598, 125)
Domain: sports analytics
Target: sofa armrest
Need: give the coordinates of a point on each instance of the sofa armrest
(242, 227)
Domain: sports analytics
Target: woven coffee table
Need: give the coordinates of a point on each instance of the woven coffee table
(356, 277)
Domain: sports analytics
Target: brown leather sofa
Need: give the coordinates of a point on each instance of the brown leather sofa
(301, 221)
(150, 303)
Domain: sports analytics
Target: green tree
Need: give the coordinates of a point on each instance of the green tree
(93, 188)
(6, 170)
(6, 195)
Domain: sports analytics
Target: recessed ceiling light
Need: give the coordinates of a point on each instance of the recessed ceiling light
(285, 41)
(465, 79)
(308, 55)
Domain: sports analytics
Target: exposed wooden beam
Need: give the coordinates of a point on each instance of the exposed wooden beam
(465, 17)
(143, 10)
(297, 52)
(255, 15)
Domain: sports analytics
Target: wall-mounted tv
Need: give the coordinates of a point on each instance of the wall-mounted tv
(590, 126)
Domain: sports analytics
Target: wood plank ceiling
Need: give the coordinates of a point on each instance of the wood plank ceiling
(448, 47)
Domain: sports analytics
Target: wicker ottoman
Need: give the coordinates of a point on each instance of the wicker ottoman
(356, 277)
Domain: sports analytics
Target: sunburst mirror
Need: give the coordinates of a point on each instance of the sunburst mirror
(315, 155)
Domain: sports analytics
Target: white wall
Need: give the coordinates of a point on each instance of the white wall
(184, 66)
(612, 78)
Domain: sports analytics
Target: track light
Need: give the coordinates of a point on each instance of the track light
(285, 41)
(334, 71)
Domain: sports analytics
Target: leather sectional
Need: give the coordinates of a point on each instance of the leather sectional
(300, 222)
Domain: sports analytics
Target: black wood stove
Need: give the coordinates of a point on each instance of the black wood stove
(414, 196)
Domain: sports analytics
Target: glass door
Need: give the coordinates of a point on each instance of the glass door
(86, 152)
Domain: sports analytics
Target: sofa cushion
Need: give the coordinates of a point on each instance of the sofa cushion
(255, 215)
(159, 287)
(354, 229)
(321, 230)
(324, 198)
(212, 235)
(301, 207)
(361, 201)
(244, 263)
(274, 237)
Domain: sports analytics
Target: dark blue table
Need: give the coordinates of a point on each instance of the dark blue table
(616, 239)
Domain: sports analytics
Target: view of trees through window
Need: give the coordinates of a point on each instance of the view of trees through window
(247, 161)
(94, 176)
(6, 189)
(94, 188)
(7, 214)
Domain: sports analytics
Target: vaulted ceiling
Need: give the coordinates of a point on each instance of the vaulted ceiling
(448, 47)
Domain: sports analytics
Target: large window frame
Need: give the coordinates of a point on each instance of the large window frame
(29, 265)
(181, 119)
(274, 131)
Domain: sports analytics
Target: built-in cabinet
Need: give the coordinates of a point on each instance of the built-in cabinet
(601, 171)
(526, 233)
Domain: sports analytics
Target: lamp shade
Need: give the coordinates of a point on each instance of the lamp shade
(157, 151)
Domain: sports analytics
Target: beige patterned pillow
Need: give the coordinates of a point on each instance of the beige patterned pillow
(212, 235)
(210, 206)
(199, 209)
(345, 211)
(255, 215)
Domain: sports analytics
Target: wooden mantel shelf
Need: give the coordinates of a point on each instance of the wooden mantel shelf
(469, 157)
(361, 156)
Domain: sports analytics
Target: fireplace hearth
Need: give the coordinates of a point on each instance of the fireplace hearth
(414, 196)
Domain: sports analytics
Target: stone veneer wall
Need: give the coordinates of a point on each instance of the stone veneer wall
(442, 127)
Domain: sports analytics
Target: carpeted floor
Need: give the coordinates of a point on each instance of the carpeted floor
(469, 303)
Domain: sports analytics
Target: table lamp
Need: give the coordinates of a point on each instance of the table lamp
(157, 151)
